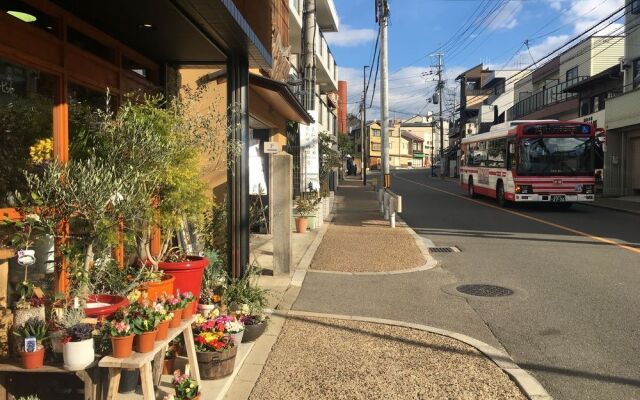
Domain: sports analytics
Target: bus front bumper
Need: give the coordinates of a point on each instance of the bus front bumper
(555, 198)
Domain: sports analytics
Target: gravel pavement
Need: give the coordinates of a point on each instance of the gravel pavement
(318, 358)
(359, 233)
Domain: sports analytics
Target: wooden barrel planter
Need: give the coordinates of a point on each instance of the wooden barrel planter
(214, 365)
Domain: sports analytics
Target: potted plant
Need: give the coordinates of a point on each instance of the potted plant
(173, 304)
(187, 302)
(213, 284)
(304, 208)
(144, 324)
(248, 300)
(164, 319)
(62, 320)
(215, 350)
(77, 349)
(232, 327)
(31, 334)
(185, 387)
(121, 335)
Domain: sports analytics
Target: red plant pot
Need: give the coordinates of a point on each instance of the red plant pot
(33, 359)
(163, 330)
(144, 343)
(188, 274)
(187, 312)
(177, 317)
(122, 346)
(111, 305)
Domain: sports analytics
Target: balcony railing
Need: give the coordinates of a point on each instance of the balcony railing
(538, 101)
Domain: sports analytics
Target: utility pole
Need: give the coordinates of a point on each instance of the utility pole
(309, 53)
(383, 20)
(440, 88)
(363, 152)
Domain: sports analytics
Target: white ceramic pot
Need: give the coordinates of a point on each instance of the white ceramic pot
(78, 355)
(237, 337)
(206, 309)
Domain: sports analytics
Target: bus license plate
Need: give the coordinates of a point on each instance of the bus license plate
(557, 199)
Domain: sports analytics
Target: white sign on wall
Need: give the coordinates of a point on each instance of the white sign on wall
(257, 178)
(310, 153)
(271, 147)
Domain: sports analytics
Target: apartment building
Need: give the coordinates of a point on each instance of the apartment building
(623, 119)
(541, 94)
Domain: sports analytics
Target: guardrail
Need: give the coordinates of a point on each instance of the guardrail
(390, 203)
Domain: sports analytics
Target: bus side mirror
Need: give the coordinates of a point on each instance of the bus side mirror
(512, 148)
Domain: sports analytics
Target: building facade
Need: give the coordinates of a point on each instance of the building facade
(623, 119)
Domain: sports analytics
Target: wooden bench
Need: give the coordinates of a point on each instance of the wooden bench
(90, 377)
(142, 361)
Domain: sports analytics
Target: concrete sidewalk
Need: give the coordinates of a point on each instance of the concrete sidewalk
(628, 204)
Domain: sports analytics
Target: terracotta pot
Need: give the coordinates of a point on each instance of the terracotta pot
(163, 330)
(144, 343)
(106, 305)
(188, 274)
(177, 318)
(168, 366)
(155, 289)
(34, 359)
(187, 312)
(122, 346)
(252, 332)
(214, 365)
(301, 224)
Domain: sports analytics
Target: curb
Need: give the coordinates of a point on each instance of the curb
(525, 381)
(622, 210)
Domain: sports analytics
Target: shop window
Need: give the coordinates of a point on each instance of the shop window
(30, 15)
(134, 67)
(89, 44)
(83, 103)
(26, 117)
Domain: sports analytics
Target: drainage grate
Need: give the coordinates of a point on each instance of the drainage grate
(484, 290)
(444, 250)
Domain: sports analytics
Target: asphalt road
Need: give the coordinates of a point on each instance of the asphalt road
(574, 319)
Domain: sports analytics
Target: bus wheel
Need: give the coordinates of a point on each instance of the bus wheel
(500, 194)
(472, 192)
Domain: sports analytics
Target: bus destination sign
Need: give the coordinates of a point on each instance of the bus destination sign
(557, 129)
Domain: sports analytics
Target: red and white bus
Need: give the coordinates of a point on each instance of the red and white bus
(531, 161)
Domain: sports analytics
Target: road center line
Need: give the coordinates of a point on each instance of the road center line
(542, 221)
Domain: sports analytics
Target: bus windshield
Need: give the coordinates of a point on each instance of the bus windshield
(556, 156)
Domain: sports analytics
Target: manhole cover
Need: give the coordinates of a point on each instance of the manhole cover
(443, 250)
(484, 290)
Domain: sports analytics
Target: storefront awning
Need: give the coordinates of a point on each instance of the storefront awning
(280, 97)
(177, 31)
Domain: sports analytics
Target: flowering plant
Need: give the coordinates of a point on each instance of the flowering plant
(207, 341)
(119, 328)
(142, 318)
(230, 324)
(78, 333)
(186, 298)
(186, 388)
(171, 303)
(161, 311)
(253, 319)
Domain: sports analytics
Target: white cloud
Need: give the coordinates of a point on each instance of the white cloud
(506, 18)
(350, 37)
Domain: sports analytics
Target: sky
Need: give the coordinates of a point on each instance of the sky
(419, 27)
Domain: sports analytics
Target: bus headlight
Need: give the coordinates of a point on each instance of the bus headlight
(524, 189)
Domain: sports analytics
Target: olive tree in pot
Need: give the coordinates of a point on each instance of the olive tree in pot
(305, 206)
